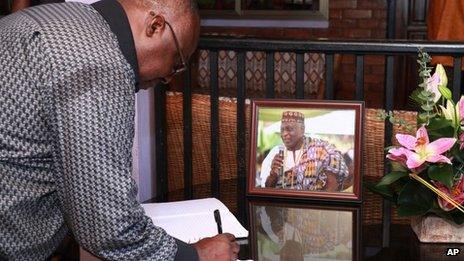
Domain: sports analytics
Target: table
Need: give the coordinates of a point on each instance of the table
(312, 231)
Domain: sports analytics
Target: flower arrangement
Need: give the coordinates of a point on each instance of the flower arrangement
(427, 170)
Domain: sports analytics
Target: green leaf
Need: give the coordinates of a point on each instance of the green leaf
(383, 191)
(426, 107)
(445, 92)
(439, 128)
(398, 167)
(443, 173)
(423, 115)
(457, 153)
(391, 177)
(414, 199)
(426, 93)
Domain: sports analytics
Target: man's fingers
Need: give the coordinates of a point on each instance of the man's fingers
(235, 247)
(229, 236)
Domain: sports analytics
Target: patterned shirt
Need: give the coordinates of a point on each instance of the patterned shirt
(309, 172)
(66, 130)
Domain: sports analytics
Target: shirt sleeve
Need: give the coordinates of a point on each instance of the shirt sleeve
(185, 252)
(91, 117)
(266, 166)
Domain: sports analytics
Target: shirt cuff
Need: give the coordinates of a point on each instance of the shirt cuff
(185, 252)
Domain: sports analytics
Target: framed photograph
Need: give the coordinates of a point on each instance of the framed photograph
(306, 149)
(288, 231)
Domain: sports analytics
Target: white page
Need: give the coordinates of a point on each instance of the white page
(192, 220)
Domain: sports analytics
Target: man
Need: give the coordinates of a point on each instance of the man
(302, 163)
(67, 84)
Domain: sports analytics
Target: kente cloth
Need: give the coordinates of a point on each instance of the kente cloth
(309, 171)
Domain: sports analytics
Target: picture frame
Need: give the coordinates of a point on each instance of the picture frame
(296, 231)
(320, 150)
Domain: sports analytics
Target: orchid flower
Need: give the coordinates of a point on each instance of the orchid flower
(460, 108)
(437, 80)
(432, 86)
(461, 139)
(418, 150)
(456, 193)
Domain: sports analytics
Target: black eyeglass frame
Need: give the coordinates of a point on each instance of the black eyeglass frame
(183, 65)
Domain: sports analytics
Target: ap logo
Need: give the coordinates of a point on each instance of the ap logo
(452, 251)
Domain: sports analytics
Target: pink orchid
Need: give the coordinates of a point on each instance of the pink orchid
(456, 193)
(461, 108)
(432, 86)
(461, 139)
(418, 150)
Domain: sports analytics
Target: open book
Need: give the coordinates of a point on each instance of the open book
(192, 220)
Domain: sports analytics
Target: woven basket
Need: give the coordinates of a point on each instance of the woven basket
(373, 151)
(201, 147)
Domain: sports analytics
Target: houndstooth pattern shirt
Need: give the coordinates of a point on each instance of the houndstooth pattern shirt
(66, 129)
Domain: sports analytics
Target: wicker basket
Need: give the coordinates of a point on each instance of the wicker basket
(373, 151)
(201, 136)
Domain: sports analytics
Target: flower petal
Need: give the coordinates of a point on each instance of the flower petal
(399, 155)
(461, 107)
(414, 161)
(407, 141)
(432, 86)
(440, 70)
(441, 145)
(422, 134)
(438, 158)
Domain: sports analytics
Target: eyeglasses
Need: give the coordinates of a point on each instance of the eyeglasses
(177, 68)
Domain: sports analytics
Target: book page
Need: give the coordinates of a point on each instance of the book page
(192, 220)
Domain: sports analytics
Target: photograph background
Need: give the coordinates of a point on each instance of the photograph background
(332, 125)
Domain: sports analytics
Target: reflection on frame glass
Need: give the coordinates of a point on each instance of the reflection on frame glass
(297, 233)
(309, 149)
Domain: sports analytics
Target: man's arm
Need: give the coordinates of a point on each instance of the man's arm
(336, 170)
(91, 117)
(266, 166)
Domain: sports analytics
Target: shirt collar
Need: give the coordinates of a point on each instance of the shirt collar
(115, 16)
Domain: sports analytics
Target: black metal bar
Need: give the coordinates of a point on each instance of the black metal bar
(359, 77)
(160, 145)
(389, 98)
(270, 75)
(329, 84)
(321, 46)
(241, 139)
(300, 75)
(187, 119)
(457, 78)
(214, 100)
(391, 19)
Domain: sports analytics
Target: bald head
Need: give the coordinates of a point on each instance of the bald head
(151, 21)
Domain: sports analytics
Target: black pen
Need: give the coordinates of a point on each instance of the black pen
(217, 218)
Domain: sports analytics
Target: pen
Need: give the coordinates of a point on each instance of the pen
(217, 218)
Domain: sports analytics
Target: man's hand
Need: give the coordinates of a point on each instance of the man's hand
(276, 164)
(221, 248)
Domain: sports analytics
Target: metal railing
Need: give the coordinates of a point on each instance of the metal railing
(389, 49)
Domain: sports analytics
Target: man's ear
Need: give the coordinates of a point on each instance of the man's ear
(155, 24)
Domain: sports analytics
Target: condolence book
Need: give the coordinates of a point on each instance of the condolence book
(192, 220)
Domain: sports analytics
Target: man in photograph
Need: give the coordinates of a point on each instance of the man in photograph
(301, 162)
